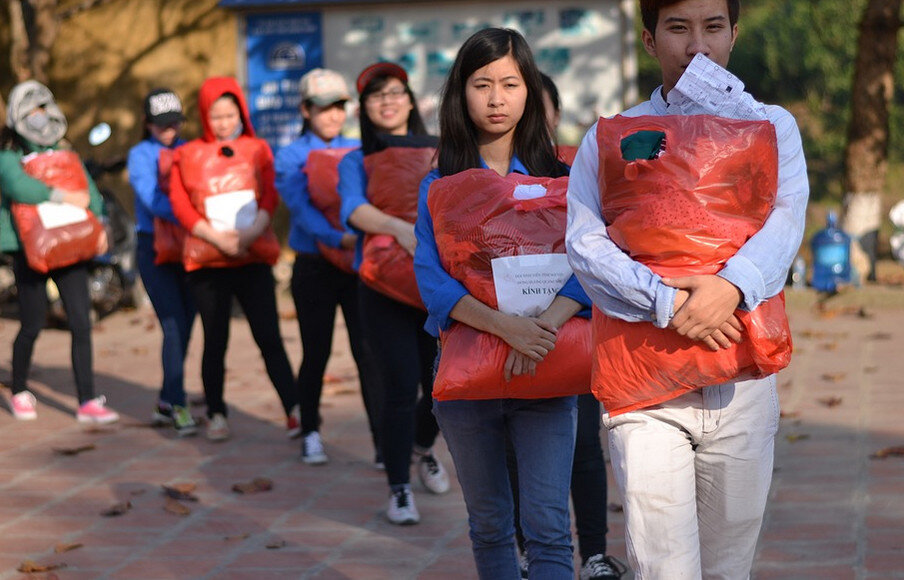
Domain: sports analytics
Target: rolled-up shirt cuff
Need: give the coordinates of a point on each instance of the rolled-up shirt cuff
(741, 272)
(665, 302)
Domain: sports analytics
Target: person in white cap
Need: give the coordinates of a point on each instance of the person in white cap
(35, 127)
(321, 282)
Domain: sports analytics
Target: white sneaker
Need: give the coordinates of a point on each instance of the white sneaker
(401, 510)
(23, 406)
(432, 474)
(312, 451)
(217, 428)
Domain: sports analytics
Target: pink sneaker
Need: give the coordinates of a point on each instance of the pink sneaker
(293, 423)
(94, 411)
(23, 406)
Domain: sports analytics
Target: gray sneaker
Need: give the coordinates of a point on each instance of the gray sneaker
(312, 451)
(603, 567)
(401, 510)
(432, 474)
(217, 428)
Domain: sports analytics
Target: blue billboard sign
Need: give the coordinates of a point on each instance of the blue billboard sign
(281, 47)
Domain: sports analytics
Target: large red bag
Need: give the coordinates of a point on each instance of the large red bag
(685, 212)
(394, 177)
(56, 247)
(322, 169)
(169, 237)
(208, 170)
(476, 219)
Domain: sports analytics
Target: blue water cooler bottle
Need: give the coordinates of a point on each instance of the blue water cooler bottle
(831, 256)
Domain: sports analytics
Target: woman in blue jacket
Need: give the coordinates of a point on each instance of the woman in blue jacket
(492, 117)
(165, 283)
(319, 285)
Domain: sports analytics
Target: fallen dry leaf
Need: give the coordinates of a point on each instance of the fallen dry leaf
(329, 379)
(788, 414)
(829, 401)
(238, 537)
(117, 509)
(254, 486)
(829, 346)
(897, 451)
(73, 450)
(880, 336)
(32, 567)
(277, 545)
(139, 350)
(181, 491)
(870, 370)
(833, 377)
(60, 548)
(174, 507)
(795, 437)
(287, 315)
(615, 508)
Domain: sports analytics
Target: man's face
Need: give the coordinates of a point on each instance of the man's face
(685, 29)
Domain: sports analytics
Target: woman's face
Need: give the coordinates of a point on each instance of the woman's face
(166, 134)
(496, 95)
(224, 118)
(325, 122)
(388, 109)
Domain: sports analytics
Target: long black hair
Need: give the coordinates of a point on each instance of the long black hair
(532, 143)
(370, 135)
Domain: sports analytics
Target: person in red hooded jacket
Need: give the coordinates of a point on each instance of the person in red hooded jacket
(222, 191)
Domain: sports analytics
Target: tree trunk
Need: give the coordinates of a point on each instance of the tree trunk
(866, 153)
(33, 30)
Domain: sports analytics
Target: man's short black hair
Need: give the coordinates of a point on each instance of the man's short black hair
(649, 12)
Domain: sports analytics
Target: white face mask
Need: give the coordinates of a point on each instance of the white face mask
(37, 121)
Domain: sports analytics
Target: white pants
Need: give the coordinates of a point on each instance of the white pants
(694, 473)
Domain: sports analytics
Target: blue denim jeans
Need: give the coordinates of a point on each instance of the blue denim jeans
(542, 432)
(168, 290)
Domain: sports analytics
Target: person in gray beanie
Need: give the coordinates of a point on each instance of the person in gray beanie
(31, 139)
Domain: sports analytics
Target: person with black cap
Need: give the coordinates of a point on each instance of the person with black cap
(322, 277)
(33, 134)
(164, 280)
(392, 324)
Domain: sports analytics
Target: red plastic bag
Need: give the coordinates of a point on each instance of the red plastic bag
(476, 219)
(169, 237)
(56, 247)
(394, 177)
(207, 170)
(683, 213)
(566, 154)
(322, 169)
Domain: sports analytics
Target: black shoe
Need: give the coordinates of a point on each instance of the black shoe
(602, 567)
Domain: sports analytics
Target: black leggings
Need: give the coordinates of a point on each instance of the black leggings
(318, 288)
(404, 355)
(252, 285)
(31, 286)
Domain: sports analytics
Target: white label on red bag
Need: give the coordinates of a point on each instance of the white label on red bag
(57, 215)
(527, 285)
(235, 210)
(524, 191)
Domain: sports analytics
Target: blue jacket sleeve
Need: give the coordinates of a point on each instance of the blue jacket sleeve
(142, 167)
(292, 184)
(439, 291)
(352, 185)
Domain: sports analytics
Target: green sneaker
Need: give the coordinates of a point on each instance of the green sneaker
(183, 422)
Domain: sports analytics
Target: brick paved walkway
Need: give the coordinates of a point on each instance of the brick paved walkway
(834, 513)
